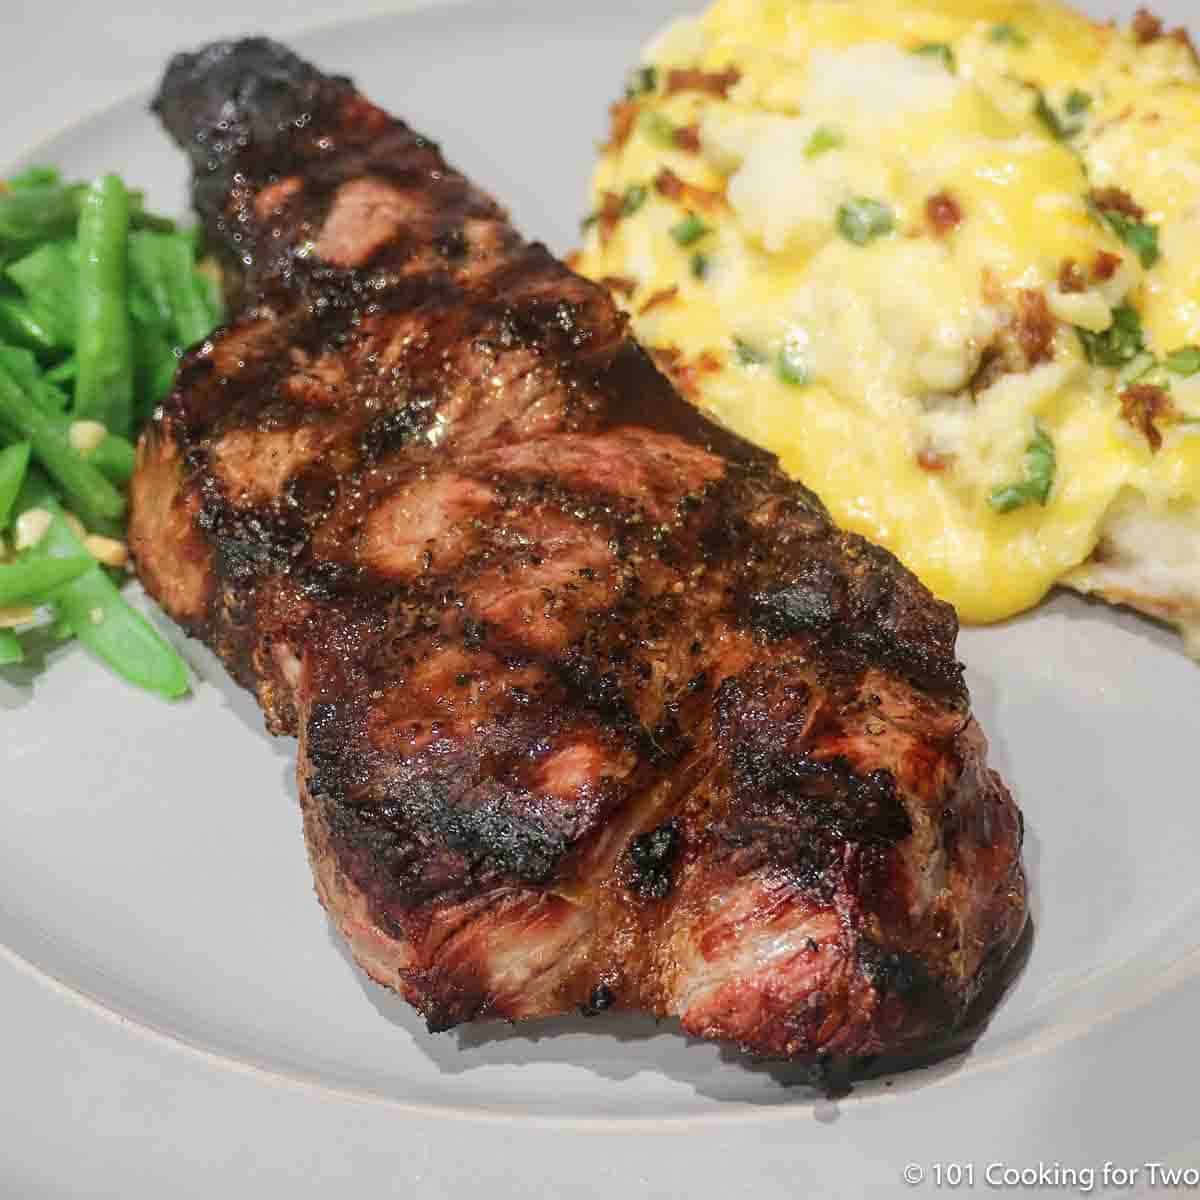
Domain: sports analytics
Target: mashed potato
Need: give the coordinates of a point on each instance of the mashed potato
(943, 258)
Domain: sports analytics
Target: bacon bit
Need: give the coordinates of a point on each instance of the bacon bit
(1146, 27)
(1116, 199)
(687, 137)
(692, 80)
(670, 185)
(619, 283)
(1144, 404)
(665, 357)
(1071, 277)
(663, 297)
(1035, 326)
(943, 212)
(708, 362)
(608, 216)
(993, 292)
(624, 116)
(992, 366)
(929, 459)
(1105, 266)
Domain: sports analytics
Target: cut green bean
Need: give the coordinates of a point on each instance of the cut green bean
(65, 372)
(114, 457)
(150, 300)
(23, 368)
(19, 323)
(33, 576)
(90, 494)
(14, 464)
(35, 492)
(49, 279)
(11, 650)
(104, 384)
(94, 609)
(37, 213)
(191, 320)
(35, 177)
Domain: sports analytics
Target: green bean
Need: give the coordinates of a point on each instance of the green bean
(94, 609)
(23, 368)
(191, 320)
(104, 384)
(149, 299)
(19, 323)
(37, 213)
(32, 576)
(35, 176)
(14, 463)
(114, 458)
(90, 494)
(49, 279)
(35, 492)
(10, 648)
(157, 365)
(65, 372)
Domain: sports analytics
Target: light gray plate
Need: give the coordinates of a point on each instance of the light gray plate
(151, 857)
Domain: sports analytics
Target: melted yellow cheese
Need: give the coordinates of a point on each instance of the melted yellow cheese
(867, 362)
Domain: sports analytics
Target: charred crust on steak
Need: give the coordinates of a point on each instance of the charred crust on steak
(586, 688)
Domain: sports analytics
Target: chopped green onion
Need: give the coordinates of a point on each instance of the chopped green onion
(690, 229)
(824, 139)
(700, 265)
(634, 198)
(1140, 236)
(791, 367)
(747, 354)
(641, 81)
(1008, 34)
(939, 50)
(1078, 102)
(1117, 345)
(1184, 361)
(1040, 468)
(658, 129)
(32, 576)
(862, 219)
(14, 462)
(1059, 129)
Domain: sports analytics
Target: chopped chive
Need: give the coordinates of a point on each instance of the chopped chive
(1184, 361)
(1117, 345)
(939, 50)
(658, 129)
(791, 367)
(1140, 236)
(641, 81)
(1078, 102)
(690, 229)
(1040, 468)
(700, 266)
(633, 199)
(1008, 34)
(824, 139)
(862, 219)
(748, 355)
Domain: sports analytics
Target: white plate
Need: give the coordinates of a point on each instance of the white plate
(151, 858)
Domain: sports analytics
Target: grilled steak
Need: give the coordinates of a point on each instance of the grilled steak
(596, 708)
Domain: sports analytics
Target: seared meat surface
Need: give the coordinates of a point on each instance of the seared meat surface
(596, 708)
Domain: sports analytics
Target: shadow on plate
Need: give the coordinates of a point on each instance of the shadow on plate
(618, 1046)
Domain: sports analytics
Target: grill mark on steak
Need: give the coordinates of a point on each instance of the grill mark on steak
(592, 701)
